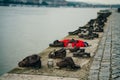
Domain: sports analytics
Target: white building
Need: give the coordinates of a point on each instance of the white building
(34, 1)
(56, 2)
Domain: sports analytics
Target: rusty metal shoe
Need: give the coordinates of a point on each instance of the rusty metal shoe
(58, 54)
(57, 43)
(74, 32)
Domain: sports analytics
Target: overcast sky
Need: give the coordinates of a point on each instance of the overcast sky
(100, 1)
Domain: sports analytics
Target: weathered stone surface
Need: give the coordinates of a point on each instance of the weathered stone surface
(105, 65)
(103, 78)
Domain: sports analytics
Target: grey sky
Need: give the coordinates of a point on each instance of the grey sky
(100, 1)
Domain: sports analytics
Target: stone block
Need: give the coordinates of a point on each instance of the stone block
(94, 72)
(103, 78)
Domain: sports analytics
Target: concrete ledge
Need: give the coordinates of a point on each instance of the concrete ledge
(32, 77)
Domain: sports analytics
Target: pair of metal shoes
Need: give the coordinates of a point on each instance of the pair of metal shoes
(89, 36)
(77, 52)
(74, 32)
(57, 43)
(75, 49)
(81, 53)
(57, 54)
(33, 61)
(79, 30)
(68, 62)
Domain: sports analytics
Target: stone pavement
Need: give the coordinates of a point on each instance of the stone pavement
(106, 63)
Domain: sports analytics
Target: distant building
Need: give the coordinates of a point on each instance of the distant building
(56, 2)
(34, 1)
(29, 1)
(24, 1)
(49, 2)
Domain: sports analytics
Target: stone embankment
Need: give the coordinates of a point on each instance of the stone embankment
(103, 64)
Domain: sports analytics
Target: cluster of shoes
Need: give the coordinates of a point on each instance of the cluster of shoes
(67, 61)
(34, 61)
(87, 32)
(94, 25)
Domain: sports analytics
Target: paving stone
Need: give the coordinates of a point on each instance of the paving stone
(104, 66)
(106, 58)
(116, 71)
(105, 69)
(116, 67)
(107, 53)
(103, 78)
(116, 56)
(98, 55)
(105, 61)
(97, 59)
(116, 77)
(115, 59)
(96, 62)
(101, 47)
(94, 72)
(116, 63)
(95, 65)
(93, 78)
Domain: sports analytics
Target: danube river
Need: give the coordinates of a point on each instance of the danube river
(29, 30)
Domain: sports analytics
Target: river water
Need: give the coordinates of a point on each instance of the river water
(29, 30)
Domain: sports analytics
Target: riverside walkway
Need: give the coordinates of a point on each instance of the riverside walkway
(106, 63)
